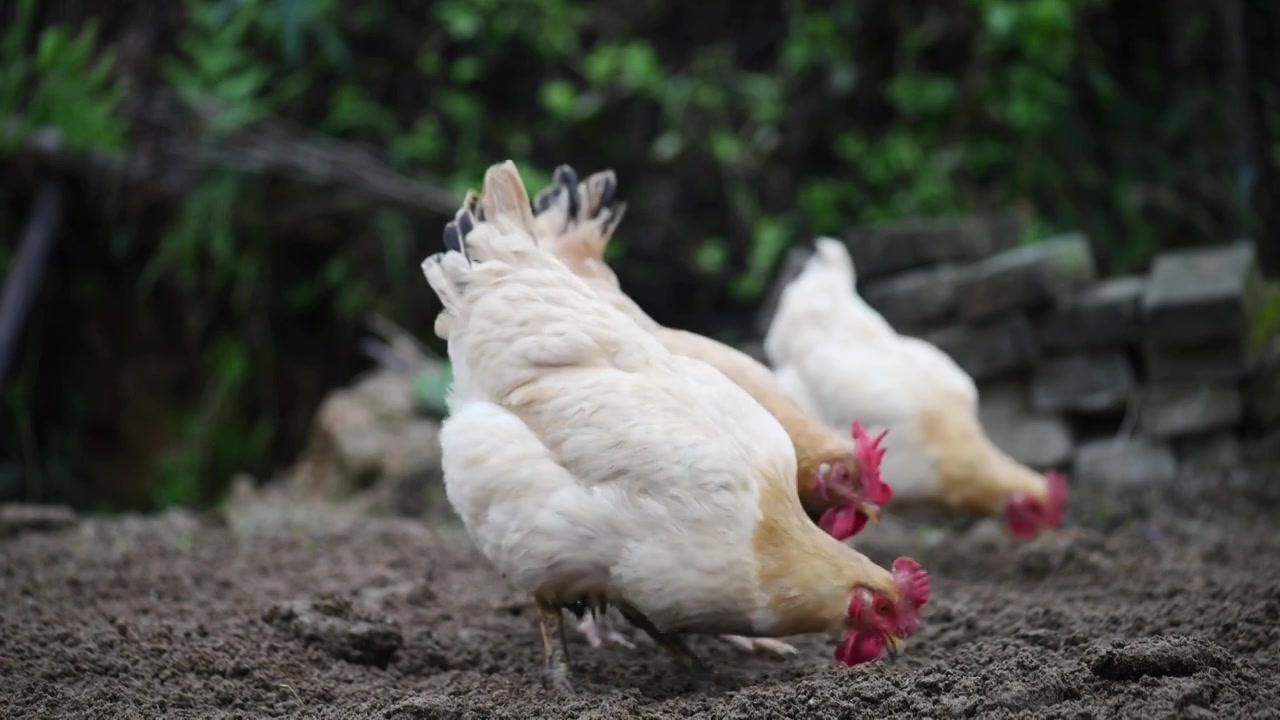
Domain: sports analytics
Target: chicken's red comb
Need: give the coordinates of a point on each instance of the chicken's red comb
(913, 583)
(869, 453)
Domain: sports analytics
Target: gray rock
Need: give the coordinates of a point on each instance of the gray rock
(1200, 295)
(1215, 361)
(411, 469)
(387, 395)
(1212, 451)
(1181, 409)
(369, 435)
(989, 349)
(1005, 398)
(1036, 441)
(1264, 451)
(1105, 315)
(339, 628)
(914, 299)
(19, 518)
(1157, 657)
(914, 243)
(1120, 463)
(1263, 395)
(1040, 441)
(1024, 277)
(1082, 383)
(792, 264)
(347, 433)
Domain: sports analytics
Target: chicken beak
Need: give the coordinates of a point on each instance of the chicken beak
(893, 647)
(870, 510)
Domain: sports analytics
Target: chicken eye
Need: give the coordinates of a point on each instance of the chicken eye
(884, 607)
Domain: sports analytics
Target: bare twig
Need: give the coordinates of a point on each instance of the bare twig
(398, 350)
(28, 267)
(295, 694)
(173, 153)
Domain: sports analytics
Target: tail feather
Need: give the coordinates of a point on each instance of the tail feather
(446, 275)
(567, 178)
(492, 232)
(579, 218)
(555, 209)
(505, 202)
(551, 213)
(601, 214)
(598, 192)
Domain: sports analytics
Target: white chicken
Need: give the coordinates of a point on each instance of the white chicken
(594, 468)
(839, 359)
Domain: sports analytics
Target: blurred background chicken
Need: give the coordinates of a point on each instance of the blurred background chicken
(838, 476)
(595, 468)
(840, 360)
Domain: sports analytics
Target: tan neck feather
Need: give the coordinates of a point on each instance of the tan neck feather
(807, 575)
(973, 474)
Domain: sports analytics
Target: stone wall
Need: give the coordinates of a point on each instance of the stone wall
(1121, 379)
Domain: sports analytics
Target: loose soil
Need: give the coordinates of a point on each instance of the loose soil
(1166, 605)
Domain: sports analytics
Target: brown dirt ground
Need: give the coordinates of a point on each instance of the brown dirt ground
(1164, 605)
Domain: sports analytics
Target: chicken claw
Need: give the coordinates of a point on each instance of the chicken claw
(595, 629)
(765, 645)
(555, 657)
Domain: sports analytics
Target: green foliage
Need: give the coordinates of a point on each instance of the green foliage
(431, 390)
(63, 84)
(210, 437)
(218, 62)
(1266, 324)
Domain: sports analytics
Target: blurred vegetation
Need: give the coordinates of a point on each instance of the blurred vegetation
(181, 340)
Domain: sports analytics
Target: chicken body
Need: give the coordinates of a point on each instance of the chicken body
(592, 466)
(839, 359)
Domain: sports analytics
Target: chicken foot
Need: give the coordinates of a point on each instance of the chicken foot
(555, 656)
(595, 628)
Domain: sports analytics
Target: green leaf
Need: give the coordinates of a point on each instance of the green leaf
(423, 143)
(725, 147)
(916, 94)
(559, 98)
(466, 69)
(667, 146)
(711, 256)
(431, 390)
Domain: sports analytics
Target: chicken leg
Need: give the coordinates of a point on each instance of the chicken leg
(671, 643)
(555, 656)
(766, 645)
(595, 627)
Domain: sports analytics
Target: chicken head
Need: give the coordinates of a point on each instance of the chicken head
(855, 488)
(877, 623)
(1025, 514)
